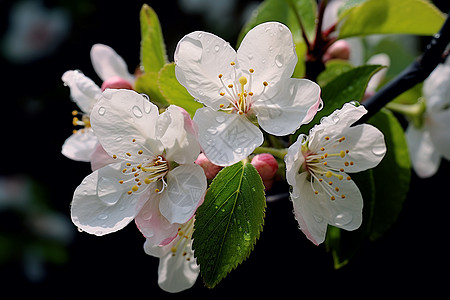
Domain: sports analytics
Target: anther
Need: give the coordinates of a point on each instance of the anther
(134, 188)
(232, 63)
(251, 70)
(265, 83)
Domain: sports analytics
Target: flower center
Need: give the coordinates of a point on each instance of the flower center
(80, 119)
(238, 94)
(146, 173)
(324, 167)
(184, 240)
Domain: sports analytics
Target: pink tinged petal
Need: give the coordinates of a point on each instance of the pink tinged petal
(101, 204)
(200, 57)
(179, 138)
(287, 106)
(80, 146)
(175, 272)
(424, 157)
(226, 138)
(107, 63)
(186, 185)
(83, 90)
(100, 158)
(153, 225)
(116, 83)
(268, 49)
(125, 122)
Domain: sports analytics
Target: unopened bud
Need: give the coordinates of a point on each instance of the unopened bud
(338, 50)
(267, 167)
(116, 82)
(209, 168)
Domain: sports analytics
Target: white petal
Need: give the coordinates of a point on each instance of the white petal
(295, 102)
(438, 126)
(268, 49)
(200, 57)
(101, 204)
(308, 212)
(436, 87)
(80, 146)
(175, 272)
(125, 122)
(342, 118)
(378, 59)
(365, 144)
(83, 90)
(314, 212)
(186, 185)
(226, 138)
(294, 160)
(179, 141)
(153, 225)
(107, 63)
(424, 157)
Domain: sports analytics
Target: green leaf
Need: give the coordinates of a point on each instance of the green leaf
(418, 17)
(349, 86)
(174, 92)
(153, 49)
(148, 84)
(392, 176)
(229, 221)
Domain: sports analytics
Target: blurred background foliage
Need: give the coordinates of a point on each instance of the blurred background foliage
(41, 251)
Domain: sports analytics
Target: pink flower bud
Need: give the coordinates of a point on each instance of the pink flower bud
(267, 167)
(339, 49)
(116, 82)
(209, 168)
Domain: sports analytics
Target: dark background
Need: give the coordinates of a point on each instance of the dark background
(410, 260)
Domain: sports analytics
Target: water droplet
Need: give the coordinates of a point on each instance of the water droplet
(270, 48)
(250, 56)
(137, 112)
(318, 219)
(147, 106)
(216, 48)
(342, 219)
(80, 230)
(280, 27)
(238, 248)
(335, 119)
(247, 236)
(118, 139)
(379, 151)
(102, 217)
(279, 60)
(99, 232)
(220, 119)
(199, 35)
(263, 61)
(239, 207)
(101, 111)
(212, 130)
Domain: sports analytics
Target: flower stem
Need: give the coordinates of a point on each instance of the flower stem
(279, 153)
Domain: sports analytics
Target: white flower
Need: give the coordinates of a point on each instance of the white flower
(154, 155)
(317, 166)
(110, 67)
(178, 269)
(431, 141)
(237, 86)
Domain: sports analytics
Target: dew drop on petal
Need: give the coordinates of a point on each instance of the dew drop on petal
(101, 111)
(335, 119)
(279, 61)
(137, 112)
(379, 151)
(342, 219)
(102, 217)
(216, 48)
(220, 119)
